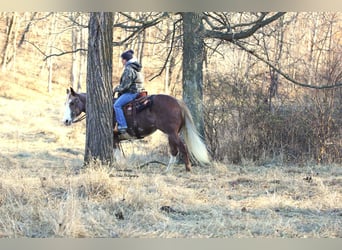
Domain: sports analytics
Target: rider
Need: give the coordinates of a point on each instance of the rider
(131, 83)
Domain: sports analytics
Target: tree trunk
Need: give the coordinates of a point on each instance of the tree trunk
(51, 41)
(10, 42)
(142, 40)
(99, 128)
(193, 54)
(168, 63)
(82, 57)
(74, 56)
(79, 58)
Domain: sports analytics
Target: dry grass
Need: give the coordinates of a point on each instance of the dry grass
(45, 192)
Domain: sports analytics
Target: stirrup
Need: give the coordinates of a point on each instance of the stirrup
(126, 136)
(122, 130)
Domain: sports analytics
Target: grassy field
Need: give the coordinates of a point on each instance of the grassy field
(45, 192)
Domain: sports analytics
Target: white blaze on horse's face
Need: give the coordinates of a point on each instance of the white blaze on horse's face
(67, 120)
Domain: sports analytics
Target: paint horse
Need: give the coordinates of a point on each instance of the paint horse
(165, 113)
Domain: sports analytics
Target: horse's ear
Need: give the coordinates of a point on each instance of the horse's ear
(72, 91)
(67, 91)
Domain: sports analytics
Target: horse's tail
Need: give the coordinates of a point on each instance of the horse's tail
(196, 147)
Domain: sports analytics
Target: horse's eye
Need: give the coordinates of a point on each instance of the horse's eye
(71, 103)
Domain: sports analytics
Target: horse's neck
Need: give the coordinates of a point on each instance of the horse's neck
(83, 97)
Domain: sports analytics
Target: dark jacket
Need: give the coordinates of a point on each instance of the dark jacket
(131, 79)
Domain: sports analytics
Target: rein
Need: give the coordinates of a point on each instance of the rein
(80, 119)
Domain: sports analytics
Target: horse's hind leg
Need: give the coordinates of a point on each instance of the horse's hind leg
(177, 145)
(173, 151)
(171, 163)
(184, 152)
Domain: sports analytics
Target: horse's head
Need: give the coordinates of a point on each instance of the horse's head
(74, 106)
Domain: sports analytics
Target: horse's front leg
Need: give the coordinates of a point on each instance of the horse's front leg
(117, 150)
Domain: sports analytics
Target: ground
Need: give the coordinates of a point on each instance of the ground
(46, 192)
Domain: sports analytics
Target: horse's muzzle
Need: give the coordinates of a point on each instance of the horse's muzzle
(67, 122)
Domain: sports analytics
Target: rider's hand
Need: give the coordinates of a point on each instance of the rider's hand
(117, 89)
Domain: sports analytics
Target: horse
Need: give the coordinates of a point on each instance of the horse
(164, 113)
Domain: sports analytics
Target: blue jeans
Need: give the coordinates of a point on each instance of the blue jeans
(119, 103)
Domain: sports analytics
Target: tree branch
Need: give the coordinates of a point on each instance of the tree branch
(134, 33)
(286, 76)
(214, 50)
(137, 28)
(64, 53)
(231, 36)
(260, 18)
(22, 39)
(42, 52)
(170, 51)
(76, 23)
(214, 27)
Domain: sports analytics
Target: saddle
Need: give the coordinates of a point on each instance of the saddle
(141, 102)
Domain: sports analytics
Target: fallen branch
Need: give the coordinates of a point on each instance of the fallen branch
(154, 161)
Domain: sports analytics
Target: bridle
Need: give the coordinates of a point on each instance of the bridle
(80, 118)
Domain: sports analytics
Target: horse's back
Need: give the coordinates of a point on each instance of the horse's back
(167, 113)
(165, 101)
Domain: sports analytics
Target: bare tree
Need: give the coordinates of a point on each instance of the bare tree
(78, 35)
(74, 57)
(99, 130)
(193, 56)
(83, 54)
(9, 49)
(50, 45)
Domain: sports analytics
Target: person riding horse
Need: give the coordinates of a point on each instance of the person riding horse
(131, 83)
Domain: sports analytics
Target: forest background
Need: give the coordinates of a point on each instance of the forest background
(251, 111)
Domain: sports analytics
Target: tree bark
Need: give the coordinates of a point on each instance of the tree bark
(99, 128)
(193, 54)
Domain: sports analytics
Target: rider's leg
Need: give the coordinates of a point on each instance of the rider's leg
(120, 102)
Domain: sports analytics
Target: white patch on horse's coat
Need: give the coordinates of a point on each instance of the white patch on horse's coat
(171, 163)
(117, 154)
(67, 112)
